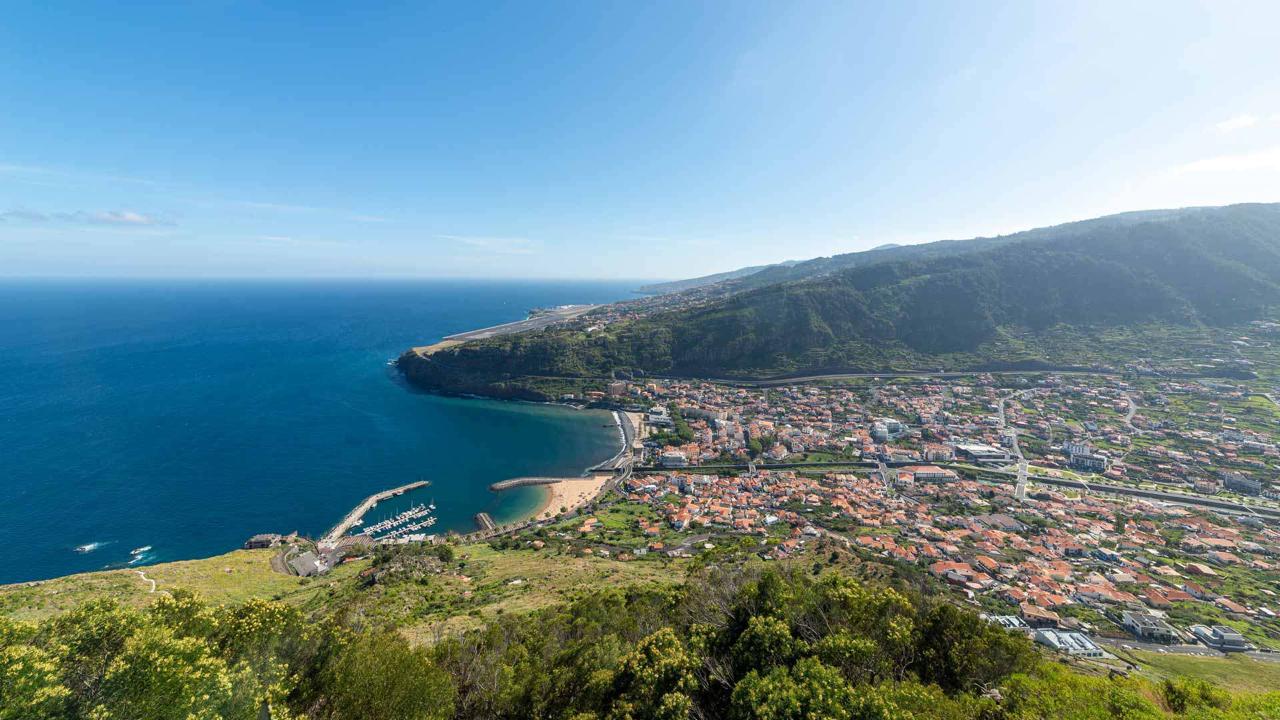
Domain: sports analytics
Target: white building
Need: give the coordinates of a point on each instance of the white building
(1070, 643)
(674, 458)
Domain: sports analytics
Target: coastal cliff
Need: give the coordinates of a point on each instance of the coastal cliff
(427, 372)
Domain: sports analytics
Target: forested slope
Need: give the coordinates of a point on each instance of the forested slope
(749, 644)
(1192, 268)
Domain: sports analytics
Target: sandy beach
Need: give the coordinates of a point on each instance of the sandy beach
(570, 494)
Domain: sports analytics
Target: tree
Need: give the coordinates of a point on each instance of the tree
(379, 677)
(859, 658)
(961, 653)
(809, 690)
(656, 680)
(30, 685)
(878, 621)
(1055, 692)
(89, 640)
(765, 644)
(162, 677)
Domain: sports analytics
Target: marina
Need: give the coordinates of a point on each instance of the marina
(331, 538)
(403, 523)
(410, 529)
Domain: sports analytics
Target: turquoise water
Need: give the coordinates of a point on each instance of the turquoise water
(189, 415)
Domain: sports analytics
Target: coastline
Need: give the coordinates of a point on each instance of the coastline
(569, 494)
(565, 494)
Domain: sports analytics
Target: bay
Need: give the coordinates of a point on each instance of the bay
(190, 415)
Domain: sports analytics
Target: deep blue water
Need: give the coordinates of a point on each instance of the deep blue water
(190, 415)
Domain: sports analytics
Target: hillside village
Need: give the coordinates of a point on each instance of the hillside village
(923, 487)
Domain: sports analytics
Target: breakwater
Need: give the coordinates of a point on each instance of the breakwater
(485, 522)
(332, 537)
(523, 482)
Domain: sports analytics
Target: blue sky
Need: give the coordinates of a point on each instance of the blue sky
(606, 139)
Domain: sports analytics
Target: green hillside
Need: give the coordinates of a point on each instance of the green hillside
(1037, 297)
(751, 642)
(818, 267)
(679, 285)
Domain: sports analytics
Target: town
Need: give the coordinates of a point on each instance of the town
(1144, 513)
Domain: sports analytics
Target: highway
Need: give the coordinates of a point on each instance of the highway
(1020, 483)
(628, 437)
(1169, 497)
(773, 382)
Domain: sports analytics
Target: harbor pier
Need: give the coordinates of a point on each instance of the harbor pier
(331, 538)
(485, 522)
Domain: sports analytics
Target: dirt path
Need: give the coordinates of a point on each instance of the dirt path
(143, 575)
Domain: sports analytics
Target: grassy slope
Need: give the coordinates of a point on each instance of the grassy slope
(234, 577)
(420, 611)
(1238, 673)
(543, 579)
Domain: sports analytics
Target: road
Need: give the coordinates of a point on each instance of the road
(628, 433)
(1175, 498)
(1131, 644)
(1017, 451)
(1169, 497)
(1020, 483)
(1128, 423)
(773, 382)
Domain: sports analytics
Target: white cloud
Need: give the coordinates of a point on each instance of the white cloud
(1239, 122)
(277, 207)
(72, 177)
(83, 217)
(1265, 159)
(300, 242)
(123, 217)
(287, 208)
(497, 245)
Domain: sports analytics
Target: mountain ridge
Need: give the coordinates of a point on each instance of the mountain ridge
(952, 304)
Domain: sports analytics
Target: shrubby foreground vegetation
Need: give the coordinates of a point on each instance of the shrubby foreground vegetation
(757, 644)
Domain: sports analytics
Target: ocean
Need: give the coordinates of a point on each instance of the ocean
(187, 416)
